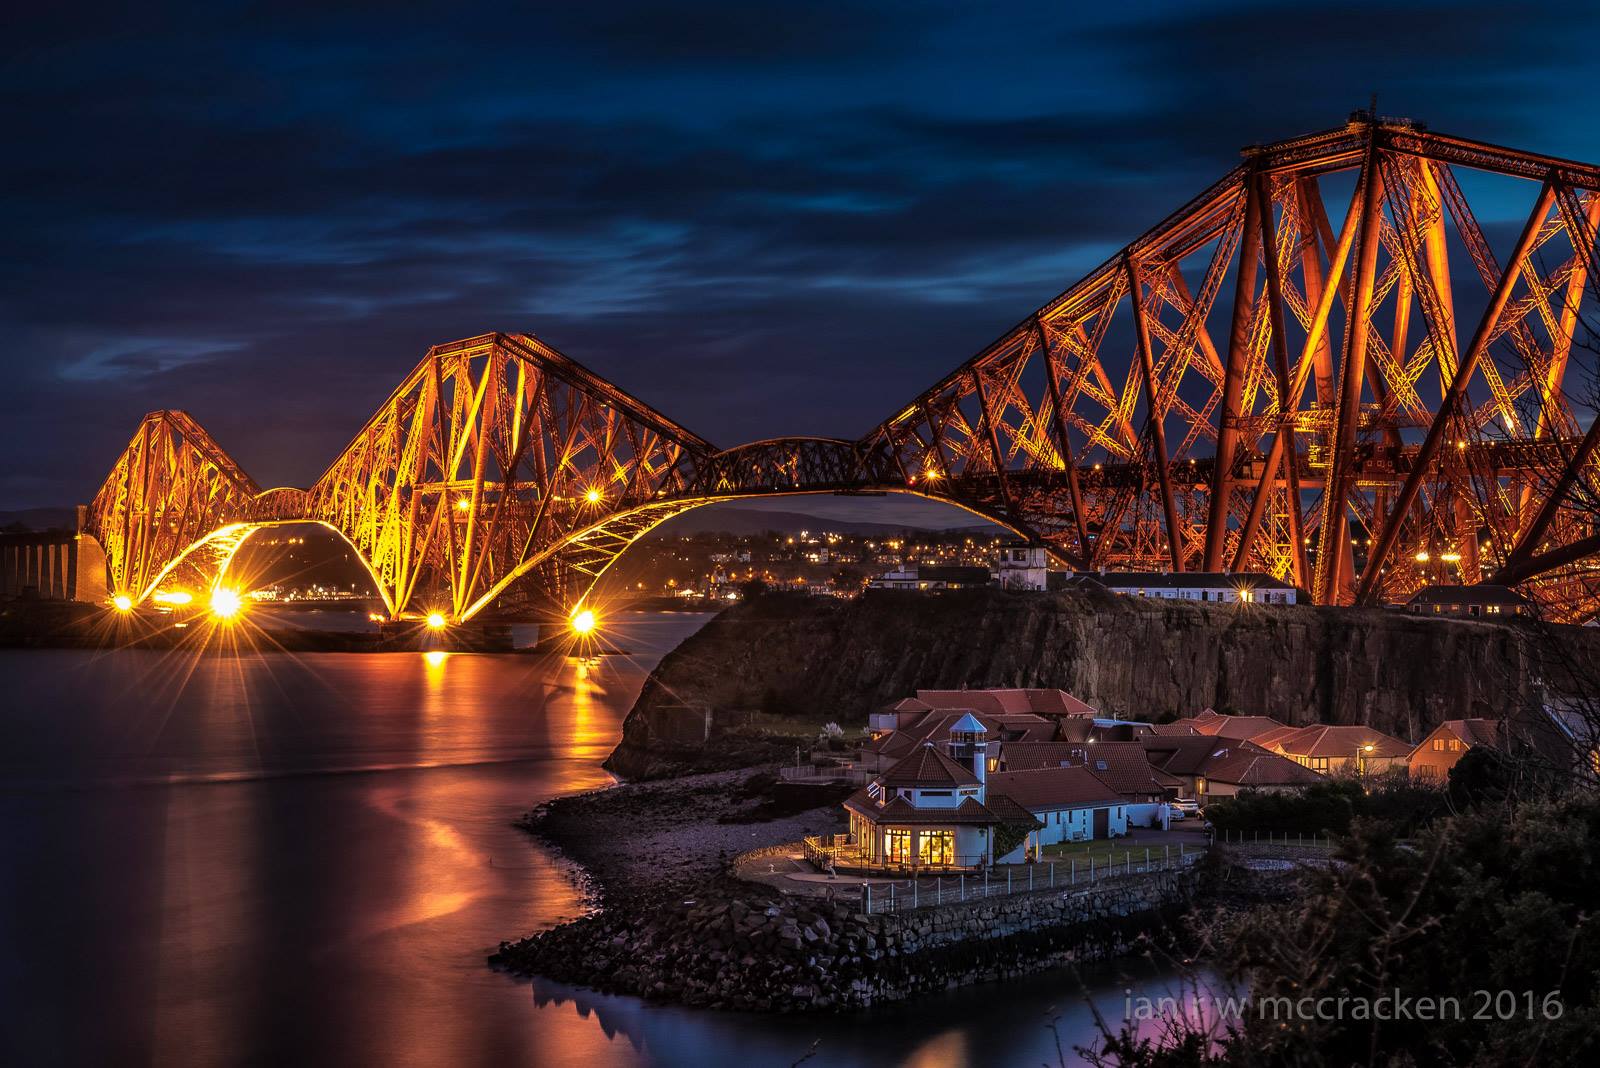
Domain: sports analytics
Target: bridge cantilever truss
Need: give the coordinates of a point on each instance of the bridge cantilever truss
(1356, 393)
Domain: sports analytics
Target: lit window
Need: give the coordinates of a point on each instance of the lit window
(897, 845)
(937, 847)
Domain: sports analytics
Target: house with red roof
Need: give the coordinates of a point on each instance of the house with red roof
(1072, 803)
(1436, 754)
(1333, 749)
(945, 805)
(1218, 725)
(1124, 766)
(1207, 767)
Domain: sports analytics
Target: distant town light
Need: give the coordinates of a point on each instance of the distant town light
(436, 620)
(224, 602)
(1422, 556)
(122, 602)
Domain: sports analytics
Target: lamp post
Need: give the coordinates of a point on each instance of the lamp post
(1363, 753)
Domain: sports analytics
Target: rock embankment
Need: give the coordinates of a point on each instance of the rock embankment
(798, 955)
(652, 841)
(836, 660)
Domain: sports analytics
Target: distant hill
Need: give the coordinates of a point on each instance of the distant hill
(751, 521)
(41, 518)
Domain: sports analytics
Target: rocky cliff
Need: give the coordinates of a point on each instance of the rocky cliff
(829, 659)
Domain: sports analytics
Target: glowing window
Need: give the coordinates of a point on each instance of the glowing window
(937, 847)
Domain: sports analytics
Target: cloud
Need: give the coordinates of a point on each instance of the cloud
(761, 220)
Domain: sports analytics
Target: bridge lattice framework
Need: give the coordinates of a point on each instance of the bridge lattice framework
(1248, 385)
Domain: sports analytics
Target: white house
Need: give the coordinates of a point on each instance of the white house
(931, 809)
(1216, 587)
(1073, 804)
(1022, 566)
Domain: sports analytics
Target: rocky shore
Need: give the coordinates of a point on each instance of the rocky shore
(672, 923)
(657, 840)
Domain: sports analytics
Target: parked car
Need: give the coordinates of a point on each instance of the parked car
(1184, 808)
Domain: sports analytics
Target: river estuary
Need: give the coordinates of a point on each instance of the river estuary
(304, 859)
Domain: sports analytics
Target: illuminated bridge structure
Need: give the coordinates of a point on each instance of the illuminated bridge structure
(1324, 366)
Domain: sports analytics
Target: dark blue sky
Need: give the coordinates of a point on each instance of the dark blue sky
(762, 219)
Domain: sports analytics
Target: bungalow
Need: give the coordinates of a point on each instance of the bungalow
(1433, 758)
(1480, 599)
(1072, 804)
(1334, 749)
(1217, 587)
(1241, 728)
(1123, 766)
(1221, 767)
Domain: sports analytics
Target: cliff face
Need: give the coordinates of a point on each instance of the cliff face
(1126, 656)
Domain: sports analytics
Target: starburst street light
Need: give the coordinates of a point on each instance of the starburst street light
(122, 602)
(593, 496)
(583, 621)
(436, 621)
(224, 602)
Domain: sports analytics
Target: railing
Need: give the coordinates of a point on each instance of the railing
(807, 773)
(841, 851)
(1281, 844)
(1065, 876)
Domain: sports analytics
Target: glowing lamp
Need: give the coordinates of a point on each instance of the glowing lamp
(583, 622)
(436, 621)
(122, 602)
(224, 602)
(462, 504)
(592, 496)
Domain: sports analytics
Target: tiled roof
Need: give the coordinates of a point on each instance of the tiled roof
(1009, 811)
(1339, 740)
(1026, 756)
(1001, 701)
(1221, 726)
(1051, 788)
(1180, 754)
(1178, 728)
(1485, 732)
(906, 704)
(1249, 765)
(928, 766)
(899, 810)
(936, 726)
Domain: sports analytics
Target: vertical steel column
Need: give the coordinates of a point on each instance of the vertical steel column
(1222, 479)
(1334, 541)
(1158, 431)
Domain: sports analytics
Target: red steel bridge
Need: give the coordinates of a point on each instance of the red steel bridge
(1324, 366)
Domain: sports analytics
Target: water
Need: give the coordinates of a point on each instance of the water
(304, 859)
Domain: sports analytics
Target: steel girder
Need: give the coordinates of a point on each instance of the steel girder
(1257, 382)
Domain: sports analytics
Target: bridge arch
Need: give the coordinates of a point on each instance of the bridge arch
(1265, 380)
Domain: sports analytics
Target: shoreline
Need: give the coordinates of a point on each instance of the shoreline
(669, 921)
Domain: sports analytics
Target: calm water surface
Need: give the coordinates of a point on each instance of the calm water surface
(304, 859)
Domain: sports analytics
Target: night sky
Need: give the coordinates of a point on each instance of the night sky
(762, 219)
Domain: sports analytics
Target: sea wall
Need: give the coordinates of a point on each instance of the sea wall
(802, 955)
(826, 659)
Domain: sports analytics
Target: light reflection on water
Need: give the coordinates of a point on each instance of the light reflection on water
(304, 859)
